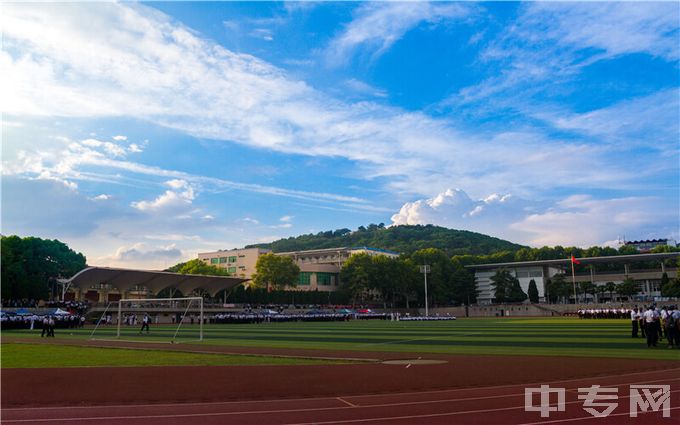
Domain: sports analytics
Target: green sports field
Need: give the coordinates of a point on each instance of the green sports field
(42, 355)
(489, 336)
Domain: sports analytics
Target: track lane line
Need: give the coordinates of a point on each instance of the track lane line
(347, 407)
(453, 390)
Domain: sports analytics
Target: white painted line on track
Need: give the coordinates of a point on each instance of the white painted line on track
(452, 390)
(586, 418)
(346, 402)
(260, 412)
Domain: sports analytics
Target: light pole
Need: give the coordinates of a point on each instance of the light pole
(425, 269)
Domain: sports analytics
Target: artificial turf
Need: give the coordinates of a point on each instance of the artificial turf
(58, 356)
(495, 336)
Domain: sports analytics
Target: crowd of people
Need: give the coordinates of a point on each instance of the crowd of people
(24, 302)
(74, 307)
(259, 317)
(603, 313)
(35, 321)
(655, 324)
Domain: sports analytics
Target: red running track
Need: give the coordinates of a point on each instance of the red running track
(491, 405)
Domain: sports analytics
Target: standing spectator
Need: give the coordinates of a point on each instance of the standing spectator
(45, 327)
(50, 327)
(651, 317)
(634, 322)
(145, 323)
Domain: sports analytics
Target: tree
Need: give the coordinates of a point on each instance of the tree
(356, 276)
(558, 288)
(627, 288)
(501, 282)
(464, 286)
(197, 266)
(611, 288)
(516, 294)
(275, 271)
(533, 291)
(587, 288)
(439, 280)
(30, 264)
(671, 288)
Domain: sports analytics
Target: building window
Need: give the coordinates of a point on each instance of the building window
(522, 274)
(304, 278)
(231, 270)
(536, 274)
(232, 259)
(223, 260)
(214, 261)
(323, 278)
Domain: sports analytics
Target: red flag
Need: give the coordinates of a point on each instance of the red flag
(574, 260)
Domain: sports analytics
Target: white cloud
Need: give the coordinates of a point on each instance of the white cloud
(584, 221)
(142, 252)
(250, 220)
(286, 218)
(550, 42)
(377, 26)
(172, 237)
(119, 138)
(453, 208)
(180, 196)
(155, 69)
(363, 89)
(579, 220)
(102, 197)
(616, 28)
(645, 121)
(281, 226)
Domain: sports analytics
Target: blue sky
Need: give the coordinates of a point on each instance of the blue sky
(143, 133)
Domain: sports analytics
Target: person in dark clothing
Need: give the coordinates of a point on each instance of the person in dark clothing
(145, 324)
(50, 327)
(45, 327)
(634, 322)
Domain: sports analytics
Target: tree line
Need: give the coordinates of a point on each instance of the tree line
(30, 266)
(404, 239)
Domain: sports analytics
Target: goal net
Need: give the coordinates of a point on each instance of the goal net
(171, 320)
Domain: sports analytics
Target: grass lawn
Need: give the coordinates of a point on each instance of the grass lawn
(496, 336)
(44, 355)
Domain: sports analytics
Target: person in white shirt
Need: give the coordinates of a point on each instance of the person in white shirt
(634, 322)
(651, 317)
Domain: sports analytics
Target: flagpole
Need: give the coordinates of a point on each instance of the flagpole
(573, 279)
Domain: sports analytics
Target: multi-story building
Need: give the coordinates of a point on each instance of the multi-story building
(647, 280)
(319, 268)
(648, 245)
(237, 262)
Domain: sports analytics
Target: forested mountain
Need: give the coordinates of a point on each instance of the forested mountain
(402, 239)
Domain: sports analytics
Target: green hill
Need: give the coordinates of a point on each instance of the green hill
(403, 239)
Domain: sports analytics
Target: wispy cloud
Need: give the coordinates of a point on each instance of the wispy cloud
(377, 26)
(66, 165)
(551, 42)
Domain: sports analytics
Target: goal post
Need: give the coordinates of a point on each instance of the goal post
(168, 320)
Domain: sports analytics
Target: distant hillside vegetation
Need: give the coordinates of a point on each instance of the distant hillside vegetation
(403, 239)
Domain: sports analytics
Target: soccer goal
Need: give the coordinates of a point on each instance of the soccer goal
(170, 320)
